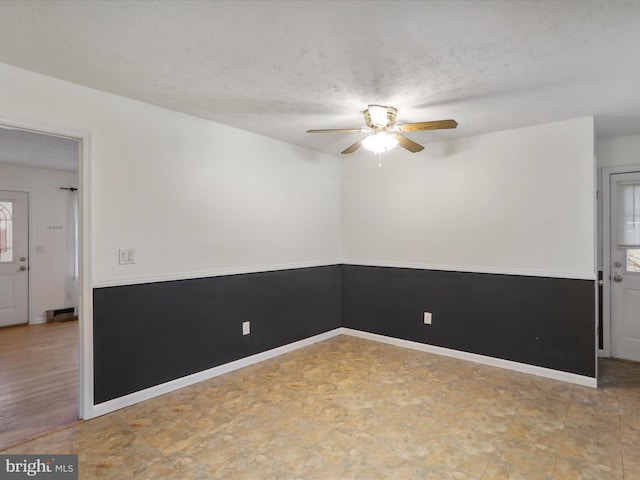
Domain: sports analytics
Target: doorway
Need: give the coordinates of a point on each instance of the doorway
(621, 263)
(41, 386)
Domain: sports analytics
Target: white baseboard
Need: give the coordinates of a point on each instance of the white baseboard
(148, 393)
(37, 320)
(474, 357)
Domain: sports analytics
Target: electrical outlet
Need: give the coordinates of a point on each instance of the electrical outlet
(246, 328)
(427, 318)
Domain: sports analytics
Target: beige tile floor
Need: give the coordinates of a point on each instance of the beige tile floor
(349, 408)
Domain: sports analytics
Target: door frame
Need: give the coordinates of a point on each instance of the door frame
(85, 294)
(606, 249)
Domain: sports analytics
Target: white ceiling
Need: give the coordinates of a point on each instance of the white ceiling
(279, 68)
(37, 150)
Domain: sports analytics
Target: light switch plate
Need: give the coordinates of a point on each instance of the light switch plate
(126, 256)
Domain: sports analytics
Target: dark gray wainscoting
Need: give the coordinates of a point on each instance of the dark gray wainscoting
(548, 322)
(149, 334)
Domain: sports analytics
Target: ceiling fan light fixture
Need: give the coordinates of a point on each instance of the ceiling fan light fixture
(379, 142)
(385, 134)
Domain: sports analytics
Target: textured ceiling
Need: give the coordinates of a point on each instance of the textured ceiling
(37, 150)
(279, 68)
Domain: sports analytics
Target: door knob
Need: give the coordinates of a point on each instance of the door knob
(23, 259)
(617, 278)
(23, 268)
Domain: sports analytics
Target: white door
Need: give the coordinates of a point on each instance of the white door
(14, 265)
(625, 265)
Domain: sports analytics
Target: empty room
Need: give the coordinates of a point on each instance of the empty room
(322, 239)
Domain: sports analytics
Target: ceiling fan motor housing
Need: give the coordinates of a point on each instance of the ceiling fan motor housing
(376, 109)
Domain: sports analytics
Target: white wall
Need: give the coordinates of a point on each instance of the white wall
(519, 201)
(48, 207)
(618, 151)
(192, 197)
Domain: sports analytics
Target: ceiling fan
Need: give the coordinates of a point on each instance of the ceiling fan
(384, 133)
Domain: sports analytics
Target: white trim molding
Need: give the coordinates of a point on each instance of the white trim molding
(220, 272)
(473, 357)
(148, 393)
(471, 269)
(85, 273)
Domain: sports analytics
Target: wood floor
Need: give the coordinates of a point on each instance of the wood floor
(38, 380)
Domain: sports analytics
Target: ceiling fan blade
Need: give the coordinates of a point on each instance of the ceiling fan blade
(338, 130)
(410, 145)
(435, 125)
(353, 147)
